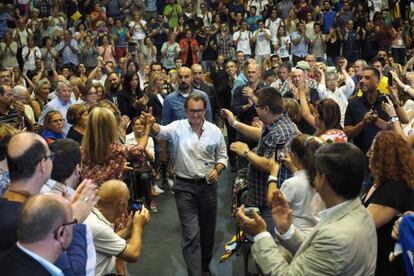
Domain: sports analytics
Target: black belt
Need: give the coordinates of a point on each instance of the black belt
(197, 181)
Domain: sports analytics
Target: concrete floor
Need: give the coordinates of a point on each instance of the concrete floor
(161, 253)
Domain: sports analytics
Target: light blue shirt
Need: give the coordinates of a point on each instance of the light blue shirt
(301, 49)
(239, 81)
(68, 56)
(58, 105)
(54, 270)
(173, 107)
(195, 157)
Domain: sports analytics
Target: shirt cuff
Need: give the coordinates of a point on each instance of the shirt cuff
(261, 236)
(289, 233)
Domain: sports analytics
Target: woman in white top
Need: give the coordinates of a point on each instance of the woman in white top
(282, 43)
(299, 190)
(30, 53)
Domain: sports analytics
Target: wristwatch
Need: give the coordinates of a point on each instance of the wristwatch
(272, 179)
(246, 153)
(394, 119)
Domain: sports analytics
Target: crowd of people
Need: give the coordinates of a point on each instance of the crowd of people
(108, 104)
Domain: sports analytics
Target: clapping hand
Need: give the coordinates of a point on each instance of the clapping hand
(228, 115)
(282, 214)
(85, 198)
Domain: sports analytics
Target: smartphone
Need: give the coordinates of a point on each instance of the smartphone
(132, 47)
(390, 79)
(280, 155)
(249, 210)
(136, 205)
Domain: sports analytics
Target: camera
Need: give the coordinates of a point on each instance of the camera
(136, 205)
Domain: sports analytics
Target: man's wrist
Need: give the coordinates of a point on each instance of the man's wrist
(246, 154)
(235, 123)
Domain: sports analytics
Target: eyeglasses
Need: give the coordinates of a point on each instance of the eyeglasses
(259, 106)
(51, 156)
(74, 221)
(195, 111)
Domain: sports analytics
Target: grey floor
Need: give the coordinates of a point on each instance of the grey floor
(161, 253)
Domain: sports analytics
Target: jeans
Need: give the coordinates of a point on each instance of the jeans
(197, 210)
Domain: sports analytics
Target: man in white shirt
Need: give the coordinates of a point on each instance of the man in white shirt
(125, 244)
(262, 38)
(242, 39)
(273, 22)
(44, 232)
(339, 94)
(199, 157)
(344, 242)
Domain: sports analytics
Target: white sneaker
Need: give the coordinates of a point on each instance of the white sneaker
(158, 189)
(170, 183)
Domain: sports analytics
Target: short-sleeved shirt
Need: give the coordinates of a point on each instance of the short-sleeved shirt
(274, 136)
(396, 195)
(354, 114)
(108, 244)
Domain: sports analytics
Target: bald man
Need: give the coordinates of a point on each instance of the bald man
(200, 84)
(30, 166)
(173, 106)
(125, 244)
(44, 231)
(243, 103)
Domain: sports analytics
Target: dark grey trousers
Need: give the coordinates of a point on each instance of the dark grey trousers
(197, 209)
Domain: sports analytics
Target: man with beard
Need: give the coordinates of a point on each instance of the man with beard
(364, 116)
(112, 87)
(173, 108)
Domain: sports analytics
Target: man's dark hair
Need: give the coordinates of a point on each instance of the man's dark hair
(378, 59)
(195, 96)
(35, 224)
(155, 63)
(286, 65)
(67, 156)
(375, 70)
(1, 89)
(24, 166)
(269, 96)
(344, 166)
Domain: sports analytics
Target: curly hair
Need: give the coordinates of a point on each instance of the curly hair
(391, 159)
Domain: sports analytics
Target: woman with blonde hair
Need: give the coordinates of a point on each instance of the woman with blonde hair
(41, 92)
(103, 156)
(53, 126)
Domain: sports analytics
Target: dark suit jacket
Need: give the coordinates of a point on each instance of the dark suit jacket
(15, 262)
(156, 105)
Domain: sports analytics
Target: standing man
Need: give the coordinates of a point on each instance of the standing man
(199, 156)
(173, 108)
(242, 39)
(69, 50)
(202, 85)
(44, 232)
(364, 117)
(61, 103)
(277, 130)
(262, 38)
(300, 41)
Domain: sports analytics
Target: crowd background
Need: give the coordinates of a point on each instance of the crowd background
(64, 64)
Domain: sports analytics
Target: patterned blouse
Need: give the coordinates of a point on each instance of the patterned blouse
(114, 164)
(4, 181)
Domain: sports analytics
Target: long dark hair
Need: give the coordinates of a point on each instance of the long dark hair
(127, 84)
(330, 114)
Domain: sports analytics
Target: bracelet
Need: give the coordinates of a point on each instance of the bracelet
(406, 87)
(246, 153)
(234, 125)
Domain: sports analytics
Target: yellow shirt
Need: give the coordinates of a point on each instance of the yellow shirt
(382, 87)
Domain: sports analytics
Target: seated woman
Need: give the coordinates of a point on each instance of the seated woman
(89, 95)
(299, 190)
(77, 116)
(53, 126)
(143, 172)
